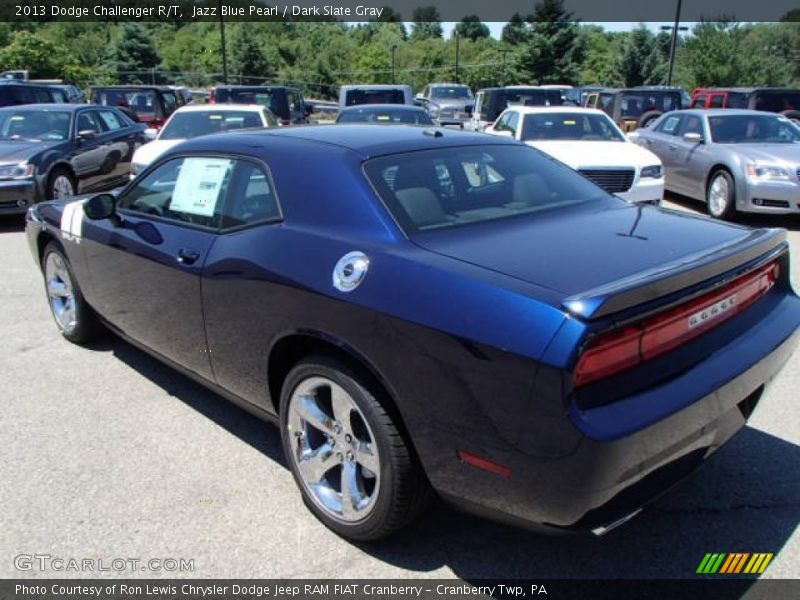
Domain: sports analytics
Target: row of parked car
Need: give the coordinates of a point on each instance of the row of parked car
(84, 148)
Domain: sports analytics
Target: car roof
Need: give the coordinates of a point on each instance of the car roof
(358, 138)
(52, 107)
(746, 90)
(374, 86)
(220, 108)
(564, 108)
(160, 88)
(225, 86)
(726, 112)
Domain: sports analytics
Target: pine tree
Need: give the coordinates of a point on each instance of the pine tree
(132, 54)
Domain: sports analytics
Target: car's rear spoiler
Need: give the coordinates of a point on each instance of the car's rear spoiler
(665, 279)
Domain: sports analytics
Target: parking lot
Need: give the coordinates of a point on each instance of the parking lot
(109, 454)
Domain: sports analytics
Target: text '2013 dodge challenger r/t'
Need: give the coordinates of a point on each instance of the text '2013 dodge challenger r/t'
(431, 312)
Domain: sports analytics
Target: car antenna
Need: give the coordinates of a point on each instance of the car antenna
(433, 133)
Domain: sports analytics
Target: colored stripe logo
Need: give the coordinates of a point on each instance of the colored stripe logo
(735, 562)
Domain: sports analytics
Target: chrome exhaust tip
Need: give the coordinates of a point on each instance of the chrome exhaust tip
(604, 529)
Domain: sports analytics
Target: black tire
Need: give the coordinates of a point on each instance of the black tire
(724, 207)
(404, 492)
(86, 326)
(53, 192)
(647, 118)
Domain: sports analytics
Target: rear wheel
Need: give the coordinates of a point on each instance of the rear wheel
(75, 319)
(721, 195)
(354, 469)
(647, 118)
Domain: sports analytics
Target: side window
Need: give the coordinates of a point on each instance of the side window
(591, 100)
(502, 123)
(690, 124)
(699, 102)
(269, 118)
(187, 189)
(482, 106)
(110, 120)
(251, 197)
(22, 95)
(513, 121)
(170, 103)
(717, 101)
(669, 126)
(88, 121)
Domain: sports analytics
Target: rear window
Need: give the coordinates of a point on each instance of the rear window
(532, 97)
(776, 101)
(143, 102)
(387, 117)
(185, 125)
(452, 187)
(273, 99)
(367, 96)
(635, 105)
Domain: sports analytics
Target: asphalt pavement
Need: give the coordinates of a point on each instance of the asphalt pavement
(108, 454)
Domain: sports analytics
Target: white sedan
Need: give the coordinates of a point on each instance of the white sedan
(201, 119)
(589, 142)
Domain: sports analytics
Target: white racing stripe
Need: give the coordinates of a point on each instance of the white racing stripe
(72, 221)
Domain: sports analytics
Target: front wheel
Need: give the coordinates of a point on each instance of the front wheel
(721, 195)
(74, 317)
(60, 185)
(354, 469)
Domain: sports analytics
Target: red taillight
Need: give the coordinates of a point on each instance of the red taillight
(157, 123)
(285, 122)
(621, 350)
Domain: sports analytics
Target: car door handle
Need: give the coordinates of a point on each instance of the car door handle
(187, 256)
(671, 147)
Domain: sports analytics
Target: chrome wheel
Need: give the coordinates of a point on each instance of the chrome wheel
(718, 196)
(62, 187)
(60, 292)
(333, 449)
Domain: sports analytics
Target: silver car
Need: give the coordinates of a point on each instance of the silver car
(734, 160)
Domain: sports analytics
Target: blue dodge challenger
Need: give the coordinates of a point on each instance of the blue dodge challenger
(429, 312)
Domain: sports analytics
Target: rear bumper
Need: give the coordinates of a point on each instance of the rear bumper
(16, 196)
(607, 462)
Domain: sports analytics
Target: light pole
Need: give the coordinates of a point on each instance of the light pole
(458, 38)
(394, 47)
(674, 40)
(224, 53)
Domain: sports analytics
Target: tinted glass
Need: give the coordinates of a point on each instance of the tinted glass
(440, 92)
(753, 129)
(439, 189)
(569, 126)
(367, 96)
(143, 102)
(635, 105)
(385, 116)
(31, 125)
(776, 101)
(186, 125)
(88, 121)
(275, 100)
(251, 198)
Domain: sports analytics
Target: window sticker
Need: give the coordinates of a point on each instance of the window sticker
(199, 184)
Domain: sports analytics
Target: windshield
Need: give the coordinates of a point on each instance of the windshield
(385, 116)
(143, 102)
(191, 124)
(753, 129)
(635, 105)
(570, 126)
(368, 96)
(32, 125)
(451, 187)
(451, 92)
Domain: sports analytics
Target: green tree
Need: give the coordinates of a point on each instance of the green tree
(426, 23)
(132, 54)
(515, 31)
(641, 59)
(554, 49)
(471, 27)
(247, 59)
(30, 51)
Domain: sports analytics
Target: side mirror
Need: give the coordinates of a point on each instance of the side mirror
(150, 134)
(693, 138)
(100, 207)
(420, 98)
(504, 132)
(87, 134)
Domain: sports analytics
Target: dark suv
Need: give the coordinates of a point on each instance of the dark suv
(490, 102)
(778, 100)
(635, 107)
(286, 103)
(151, 104)
(14, 93)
